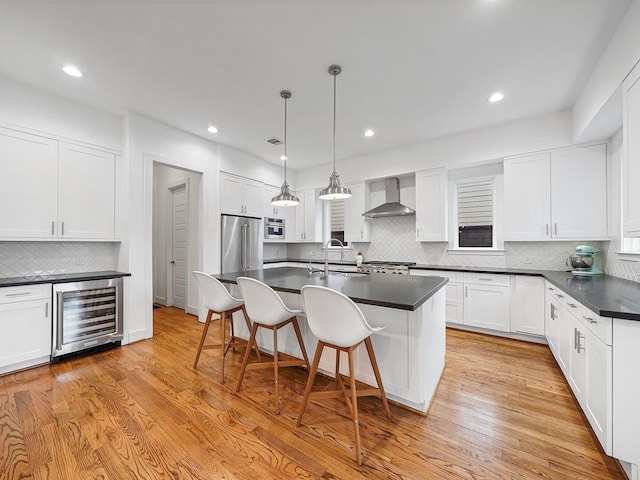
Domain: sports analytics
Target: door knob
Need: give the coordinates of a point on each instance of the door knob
(172, 262)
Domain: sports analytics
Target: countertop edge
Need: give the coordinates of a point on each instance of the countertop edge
(62, 278)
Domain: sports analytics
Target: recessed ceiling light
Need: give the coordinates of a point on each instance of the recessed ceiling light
(369, 133)
(71, 70)
(283, 157)
(212, 129)
(496, 97)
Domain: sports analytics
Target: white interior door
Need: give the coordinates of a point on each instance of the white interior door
(179, 245)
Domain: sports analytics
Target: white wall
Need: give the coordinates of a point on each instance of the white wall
(524, 136)
(148, 141)
(34, 109)
(164, 178)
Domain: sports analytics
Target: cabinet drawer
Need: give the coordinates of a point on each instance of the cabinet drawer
(574, 307)
(25, 293)
(486, 278)
(601, 327)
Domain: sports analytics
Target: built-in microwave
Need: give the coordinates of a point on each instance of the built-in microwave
(274, 228)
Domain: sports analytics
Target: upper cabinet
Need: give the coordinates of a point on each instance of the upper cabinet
(559, 195)
(631, 153)
(55, 191)
(356, 227)
(431, 205)
(240, 196)
(308, 224)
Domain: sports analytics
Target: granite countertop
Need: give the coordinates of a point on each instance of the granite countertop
(61, 278)
(403, 292)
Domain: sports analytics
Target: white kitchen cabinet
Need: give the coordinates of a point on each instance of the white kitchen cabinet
(487, 301)
(551, 318)
(453, 292)
(558, 195)
(565, 335)
(527, 314)
(626, 390)
(29, 193)
(631, 153)
(25, 323)
(308, 226)
(55, 190)
(431, 205)
(356, 227)
(240, 196)
(86, 193)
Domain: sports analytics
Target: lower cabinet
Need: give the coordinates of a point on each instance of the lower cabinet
(487, 301)
(528, 305)
(25, 323)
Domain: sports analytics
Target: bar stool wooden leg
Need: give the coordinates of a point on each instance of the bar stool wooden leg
(246, 319)
(252, 339)
(312, 376)
(223, 342)
(376, 372)
(354, 401)
(205, 329)
(296, 327)
(275, 370)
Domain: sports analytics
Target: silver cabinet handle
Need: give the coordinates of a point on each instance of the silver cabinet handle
(589, 319)
(485, 279)
(466, 291)
(21, 294)
(560, 296)
(572, 305)
(46, 310)
(62, 230)
(53, 225)
(172, 262)
(579, 346)
(546, 229)
(575, 338)
(555, 229)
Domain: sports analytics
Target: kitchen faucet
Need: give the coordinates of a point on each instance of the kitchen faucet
(326, 254)
(311, 255)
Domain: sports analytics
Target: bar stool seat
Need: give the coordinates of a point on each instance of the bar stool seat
(267, 310)
(338, 323)
(221, 305)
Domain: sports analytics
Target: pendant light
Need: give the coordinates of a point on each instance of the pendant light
(334, 191)
(285, 198)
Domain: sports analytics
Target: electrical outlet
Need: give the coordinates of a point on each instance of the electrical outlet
(79, 259)
(527, 260)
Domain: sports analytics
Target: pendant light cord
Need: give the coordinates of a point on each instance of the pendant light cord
(334, 124)
(285, 140)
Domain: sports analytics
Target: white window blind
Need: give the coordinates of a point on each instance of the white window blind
(475, 203)
(337, 215)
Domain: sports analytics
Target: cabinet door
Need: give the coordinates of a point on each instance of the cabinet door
(565, 339)
(487, 306)
(528, 308)
(599, 377)
(309, 217)
(577, 376)
(29, 185)
(527, 198)
(579, 193)
(231, 199)
(26, 334)
(86, 194)
(252, 194)
(357, 227)
(268, 192)
(431, 205)
(454, 302)
(631, 153)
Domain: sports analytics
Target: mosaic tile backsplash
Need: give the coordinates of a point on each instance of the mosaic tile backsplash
(19, 259)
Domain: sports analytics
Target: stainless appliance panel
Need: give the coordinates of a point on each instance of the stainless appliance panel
(241, 243)
(274, 228)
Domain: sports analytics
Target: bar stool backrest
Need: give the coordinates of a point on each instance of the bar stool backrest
(333, 317)
(262, 303)
(215, 296)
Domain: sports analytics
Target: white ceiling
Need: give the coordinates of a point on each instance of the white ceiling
(412, 69)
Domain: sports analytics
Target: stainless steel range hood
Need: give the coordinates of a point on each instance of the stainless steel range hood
(392, 206)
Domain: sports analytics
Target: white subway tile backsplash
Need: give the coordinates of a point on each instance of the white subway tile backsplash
(19, 259)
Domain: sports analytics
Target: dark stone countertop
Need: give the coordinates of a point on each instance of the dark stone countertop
(61, 278)
(314, 260)
(403, 292)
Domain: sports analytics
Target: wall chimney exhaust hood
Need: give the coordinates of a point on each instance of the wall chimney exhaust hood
(392, 206)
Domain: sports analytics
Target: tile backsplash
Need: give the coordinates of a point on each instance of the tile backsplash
(19, 259)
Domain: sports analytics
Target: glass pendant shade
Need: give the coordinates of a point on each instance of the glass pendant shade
(334, 191)
(285, 198)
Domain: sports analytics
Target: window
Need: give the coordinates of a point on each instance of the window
(475, 213)
(335, 213)
(475, 200)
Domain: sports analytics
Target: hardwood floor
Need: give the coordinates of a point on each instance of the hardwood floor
(502, 410)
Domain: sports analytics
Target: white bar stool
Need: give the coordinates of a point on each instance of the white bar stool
(338, 323)
(222, 304)
(266, 309)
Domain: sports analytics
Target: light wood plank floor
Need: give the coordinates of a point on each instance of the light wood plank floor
(502, 410)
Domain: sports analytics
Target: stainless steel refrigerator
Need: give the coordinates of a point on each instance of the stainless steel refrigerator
(241, 243)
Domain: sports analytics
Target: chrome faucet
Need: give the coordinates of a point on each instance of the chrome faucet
(326, 254)
(311, 255)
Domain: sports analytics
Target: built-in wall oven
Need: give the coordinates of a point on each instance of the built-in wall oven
(87, 316)
(274, 228)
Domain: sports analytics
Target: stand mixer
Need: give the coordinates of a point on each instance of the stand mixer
(583, 261)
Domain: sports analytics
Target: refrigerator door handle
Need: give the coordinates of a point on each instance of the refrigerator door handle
(248, 267)
(244, 247)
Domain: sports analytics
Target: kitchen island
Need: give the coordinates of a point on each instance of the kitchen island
(411, 348)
